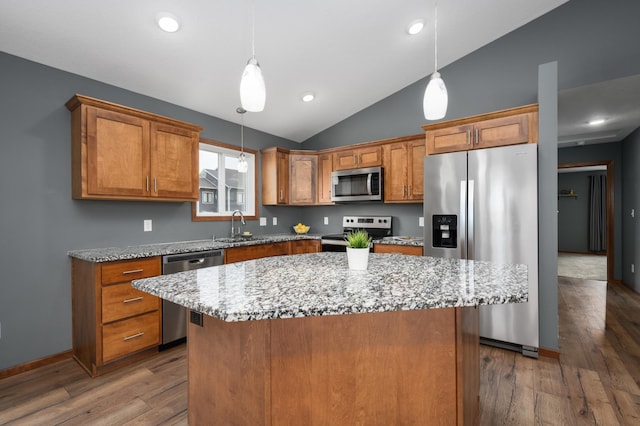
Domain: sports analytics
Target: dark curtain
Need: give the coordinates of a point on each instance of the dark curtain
(597, 213)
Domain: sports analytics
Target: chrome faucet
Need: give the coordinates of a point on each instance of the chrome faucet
(233, 230)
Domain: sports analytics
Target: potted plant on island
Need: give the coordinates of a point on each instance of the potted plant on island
(358, 249)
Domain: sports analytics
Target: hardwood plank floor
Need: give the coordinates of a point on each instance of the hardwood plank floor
(595, 382)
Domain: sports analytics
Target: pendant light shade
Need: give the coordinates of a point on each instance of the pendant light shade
(253, 92)
(436, 99)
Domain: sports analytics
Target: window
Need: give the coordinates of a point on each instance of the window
(222, 188)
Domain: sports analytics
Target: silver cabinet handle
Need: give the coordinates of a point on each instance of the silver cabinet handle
(147, 183)
(477, 139)
(468, 137)
(402, 191)
(133, 336)
(155, 185)
(135, 299)
(133, 271)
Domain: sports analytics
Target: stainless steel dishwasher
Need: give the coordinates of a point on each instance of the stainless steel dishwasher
(174, 317)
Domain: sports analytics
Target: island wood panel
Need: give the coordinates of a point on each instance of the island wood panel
(397, 248)
(406, 367)
(228, 372)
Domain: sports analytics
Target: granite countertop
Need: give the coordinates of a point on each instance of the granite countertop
(402, 241)
(110, 254)
(321, 284)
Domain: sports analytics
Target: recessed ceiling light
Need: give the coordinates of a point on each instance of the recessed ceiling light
(168, 22)
(308, 97)
(415, 27)
(596, 122)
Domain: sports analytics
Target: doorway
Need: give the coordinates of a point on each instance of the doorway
(607, 165)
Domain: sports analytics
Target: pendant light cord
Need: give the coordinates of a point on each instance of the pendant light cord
(435, 36)
(253, 29)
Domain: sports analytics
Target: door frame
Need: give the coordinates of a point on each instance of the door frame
(609, 206)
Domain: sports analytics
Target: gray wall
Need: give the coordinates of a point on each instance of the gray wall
(573, 212)
(589, 39)
(39, 222)
(630, 199)
(601, 152)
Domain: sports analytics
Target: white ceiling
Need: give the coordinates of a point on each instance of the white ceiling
(617, 101)
(351, 53)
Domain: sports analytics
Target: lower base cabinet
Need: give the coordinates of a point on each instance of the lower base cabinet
(397, 248)
(242, 253)
(113, 323)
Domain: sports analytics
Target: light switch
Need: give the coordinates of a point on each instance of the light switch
(263, 221)
(421, 221)
(148, 225)
(326, 220)
(275, 221)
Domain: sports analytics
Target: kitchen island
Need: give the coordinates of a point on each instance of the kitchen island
(304, 340)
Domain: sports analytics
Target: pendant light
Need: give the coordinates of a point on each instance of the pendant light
(253, 93)
(435, 96)
(243, 166)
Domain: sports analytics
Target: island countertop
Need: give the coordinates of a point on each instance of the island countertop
(321, 284)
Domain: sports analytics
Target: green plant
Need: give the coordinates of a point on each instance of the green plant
(358, 239)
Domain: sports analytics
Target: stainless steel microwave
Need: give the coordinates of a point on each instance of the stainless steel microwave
(357, 185)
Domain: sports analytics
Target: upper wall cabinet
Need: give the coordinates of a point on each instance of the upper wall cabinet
(356, 158)
(303, 178)
(121, 153)
(275, 176)
(507, 127)
(404, 170)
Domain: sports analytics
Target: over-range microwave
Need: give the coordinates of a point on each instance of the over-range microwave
(357, 185)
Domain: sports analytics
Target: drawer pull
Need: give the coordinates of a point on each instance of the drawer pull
(134, 336)
(133, 271)
(135, 299)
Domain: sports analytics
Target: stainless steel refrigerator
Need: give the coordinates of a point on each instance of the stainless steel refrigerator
(483, 205)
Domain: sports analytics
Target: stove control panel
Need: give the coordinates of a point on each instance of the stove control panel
(367, 222)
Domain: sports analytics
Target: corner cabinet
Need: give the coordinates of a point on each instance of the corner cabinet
(113, 324)
(507, 127)
(404, 170)
(303, 178)
(275, 176)
(121, 153)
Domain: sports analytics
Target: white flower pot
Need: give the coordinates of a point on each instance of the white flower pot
(358, 258)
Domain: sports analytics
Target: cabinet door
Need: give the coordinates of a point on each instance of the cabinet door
(395, 172)
(369, 157)
(283, 177)
(345, 159)
(397, 248)
(325, 167)
(449, 139)
(302, 178)
(502, 131)
(117, 160)
(304, 246)
(416, 151)
(174, 163)
(240, 254)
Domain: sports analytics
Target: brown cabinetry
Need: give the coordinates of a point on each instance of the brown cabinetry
(275, 176)
(123, 153)
(304, 246)
(355, 158)
(303, 170)
(325, 167)
(398, 248)
(242, 253)
(403, 170)
(507, 127)
(113, 323)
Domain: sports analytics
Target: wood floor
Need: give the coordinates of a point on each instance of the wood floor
(595, 382)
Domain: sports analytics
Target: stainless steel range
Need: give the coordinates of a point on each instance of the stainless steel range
(376, 226)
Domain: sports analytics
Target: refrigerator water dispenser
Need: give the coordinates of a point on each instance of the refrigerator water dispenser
(445, 230)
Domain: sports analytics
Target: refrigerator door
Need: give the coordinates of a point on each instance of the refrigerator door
(445, 186)
(503, 228)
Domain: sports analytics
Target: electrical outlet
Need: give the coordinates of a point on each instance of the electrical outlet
(263, 221)
(275, 221)
(633, 212)
(633, 268)
(421, 221)
(148, 226)
(326, 220)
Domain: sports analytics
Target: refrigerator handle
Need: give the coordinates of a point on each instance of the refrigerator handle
(462, 224)
(470, 219)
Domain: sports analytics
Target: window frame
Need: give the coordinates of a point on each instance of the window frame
(194, 204)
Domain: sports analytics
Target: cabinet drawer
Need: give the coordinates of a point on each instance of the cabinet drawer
(123, 301)
(130, 335)
(127, 270)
